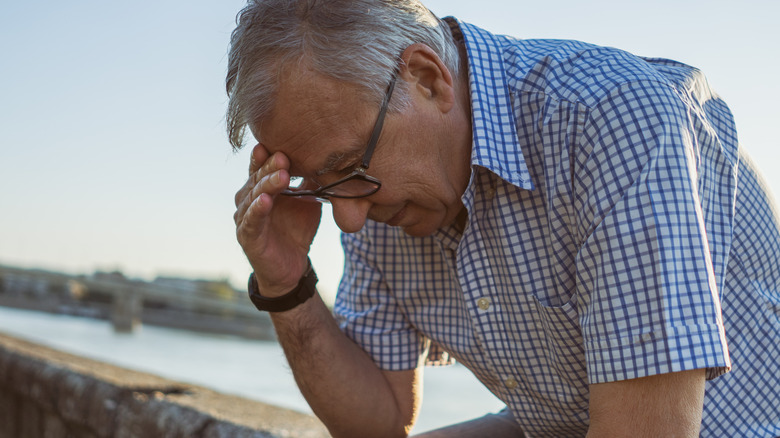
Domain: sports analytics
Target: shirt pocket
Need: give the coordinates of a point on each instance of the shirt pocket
(564, 352)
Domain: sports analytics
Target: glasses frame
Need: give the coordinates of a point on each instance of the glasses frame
(321, 193)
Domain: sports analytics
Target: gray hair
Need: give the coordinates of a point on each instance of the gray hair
(356, 41)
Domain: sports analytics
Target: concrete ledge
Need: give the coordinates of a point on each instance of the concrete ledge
(48, 393)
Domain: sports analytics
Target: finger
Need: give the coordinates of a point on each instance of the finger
(257, 172)
(274, 162)
(271, 178)
(245, 197)
(241, 207)
(253, 220)
(258, 156)
(245, 190)
(271, 184)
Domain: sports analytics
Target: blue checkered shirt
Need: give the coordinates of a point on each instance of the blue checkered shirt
(615, 231)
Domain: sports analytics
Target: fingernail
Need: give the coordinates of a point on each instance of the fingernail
(275, 178)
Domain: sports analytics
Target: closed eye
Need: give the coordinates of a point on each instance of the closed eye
(349, 169)
(335, 161)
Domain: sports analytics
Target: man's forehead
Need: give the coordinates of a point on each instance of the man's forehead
(322, 151)
(319, 157)
(318, 122)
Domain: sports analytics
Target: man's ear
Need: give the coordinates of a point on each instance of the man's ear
(426, 74)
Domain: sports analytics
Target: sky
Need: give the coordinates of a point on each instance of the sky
(113, 154)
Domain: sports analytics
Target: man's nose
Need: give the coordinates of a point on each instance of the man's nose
(350, 214)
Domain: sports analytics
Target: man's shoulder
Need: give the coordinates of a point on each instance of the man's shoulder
(567, 70)
(585, 73)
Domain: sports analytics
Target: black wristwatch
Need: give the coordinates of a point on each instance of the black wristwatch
(290, 300)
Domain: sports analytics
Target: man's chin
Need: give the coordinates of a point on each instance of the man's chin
(419, 230)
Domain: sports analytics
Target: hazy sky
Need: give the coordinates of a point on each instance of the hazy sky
(112, 146)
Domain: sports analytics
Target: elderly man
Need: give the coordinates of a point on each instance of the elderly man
(574, 224)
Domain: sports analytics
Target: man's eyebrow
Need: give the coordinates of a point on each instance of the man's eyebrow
(335, 159)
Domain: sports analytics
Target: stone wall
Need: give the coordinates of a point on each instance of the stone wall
(51, 394)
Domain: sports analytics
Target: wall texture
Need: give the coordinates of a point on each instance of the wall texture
(50, 394)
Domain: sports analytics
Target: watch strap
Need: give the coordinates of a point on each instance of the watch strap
(302, 292)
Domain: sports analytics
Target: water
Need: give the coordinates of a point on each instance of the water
(253, 369)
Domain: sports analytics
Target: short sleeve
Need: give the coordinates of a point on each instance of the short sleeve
(646, 283)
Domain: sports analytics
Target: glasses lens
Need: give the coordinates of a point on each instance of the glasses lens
(296, 183)
(353, 188)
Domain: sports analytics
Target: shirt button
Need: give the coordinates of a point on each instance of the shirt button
(510, 383)
(483, 303)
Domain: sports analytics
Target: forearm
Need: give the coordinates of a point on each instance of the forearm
(668, 405)
(342, 384)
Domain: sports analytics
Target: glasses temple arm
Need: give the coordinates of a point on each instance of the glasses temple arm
(379, 122)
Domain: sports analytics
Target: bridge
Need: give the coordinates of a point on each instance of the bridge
(211, 306)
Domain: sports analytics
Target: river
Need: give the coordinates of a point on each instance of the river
(229, 364)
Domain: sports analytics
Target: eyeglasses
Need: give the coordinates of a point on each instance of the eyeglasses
(357, 184)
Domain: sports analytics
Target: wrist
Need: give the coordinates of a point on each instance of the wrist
(304, 290)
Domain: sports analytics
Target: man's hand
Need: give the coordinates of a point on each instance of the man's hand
(274, 231)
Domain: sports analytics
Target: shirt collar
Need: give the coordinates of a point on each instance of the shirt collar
(495, 143)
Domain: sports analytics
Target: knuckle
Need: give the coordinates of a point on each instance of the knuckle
(269, 165)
